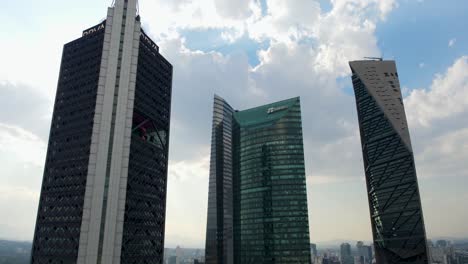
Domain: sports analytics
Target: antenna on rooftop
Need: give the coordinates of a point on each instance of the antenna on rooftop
(374, 58)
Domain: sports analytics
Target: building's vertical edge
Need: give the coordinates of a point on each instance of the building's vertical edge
(167, 164)
(90, 227)
(301, 133)
(210, 241)
(236, 191)
(121, 145)
(219, 230)
(31, 259)
(228, 204)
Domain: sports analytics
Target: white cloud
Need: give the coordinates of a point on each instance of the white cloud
(187, 196)
(21, 145)
(447, 96)
(166, 18)
(438, 118)
(18, 101)
(19, 207)
(197, 78)
(22, 155)
(452, 42)
(366, 7)
(238, 9)
(286, 21)
(444, 155)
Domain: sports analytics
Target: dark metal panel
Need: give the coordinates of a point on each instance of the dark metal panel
(394, 200)
(145, 209)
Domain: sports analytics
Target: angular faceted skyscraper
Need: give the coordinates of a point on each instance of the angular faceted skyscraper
(257, 201)
(103, 194)
(392, 186)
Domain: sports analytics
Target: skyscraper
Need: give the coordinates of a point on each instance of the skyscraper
(345, 253)
(103, 194)
(257, 201)
(392, 186)
(364, 253)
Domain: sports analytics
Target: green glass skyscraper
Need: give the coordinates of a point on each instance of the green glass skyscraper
(257, 204)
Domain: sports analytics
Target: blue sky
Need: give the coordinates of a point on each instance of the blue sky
(253, 52)
(420, 32)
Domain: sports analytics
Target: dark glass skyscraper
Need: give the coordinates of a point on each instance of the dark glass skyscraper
(257, 202)
(103, 194)
(393, 193)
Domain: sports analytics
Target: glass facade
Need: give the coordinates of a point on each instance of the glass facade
(219, 231)
(60, 209)
(103, 197)
(394, 201)
(268, 185)
(145, 210)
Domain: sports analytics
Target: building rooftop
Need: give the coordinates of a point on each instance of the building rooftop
(266, 113)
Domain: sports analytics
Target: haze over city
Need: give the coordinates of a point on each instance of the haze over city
(253, 53)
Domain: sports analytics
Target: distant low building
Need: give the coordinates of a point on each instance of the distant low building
(364, 253)
(461, 257)
(439, 255)
(345, 253)
(313, 250)
(172, 260)
(442, 243)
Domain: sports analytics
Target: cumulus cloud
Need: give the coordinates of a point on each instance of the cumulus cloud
(166, 18)
(446, 97)
(286, 21)
(19, 101)
(197, 77)
(234, 9)
(437, 118)
(19, 205)
(22, 155)
(452, 42)
(187, 195)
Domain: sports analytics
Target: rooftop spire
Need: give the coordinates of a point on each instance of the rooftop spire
(131, 5)
(114, 2)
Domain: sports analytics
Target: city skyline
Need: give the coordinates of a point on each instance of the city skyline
(250, 65)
